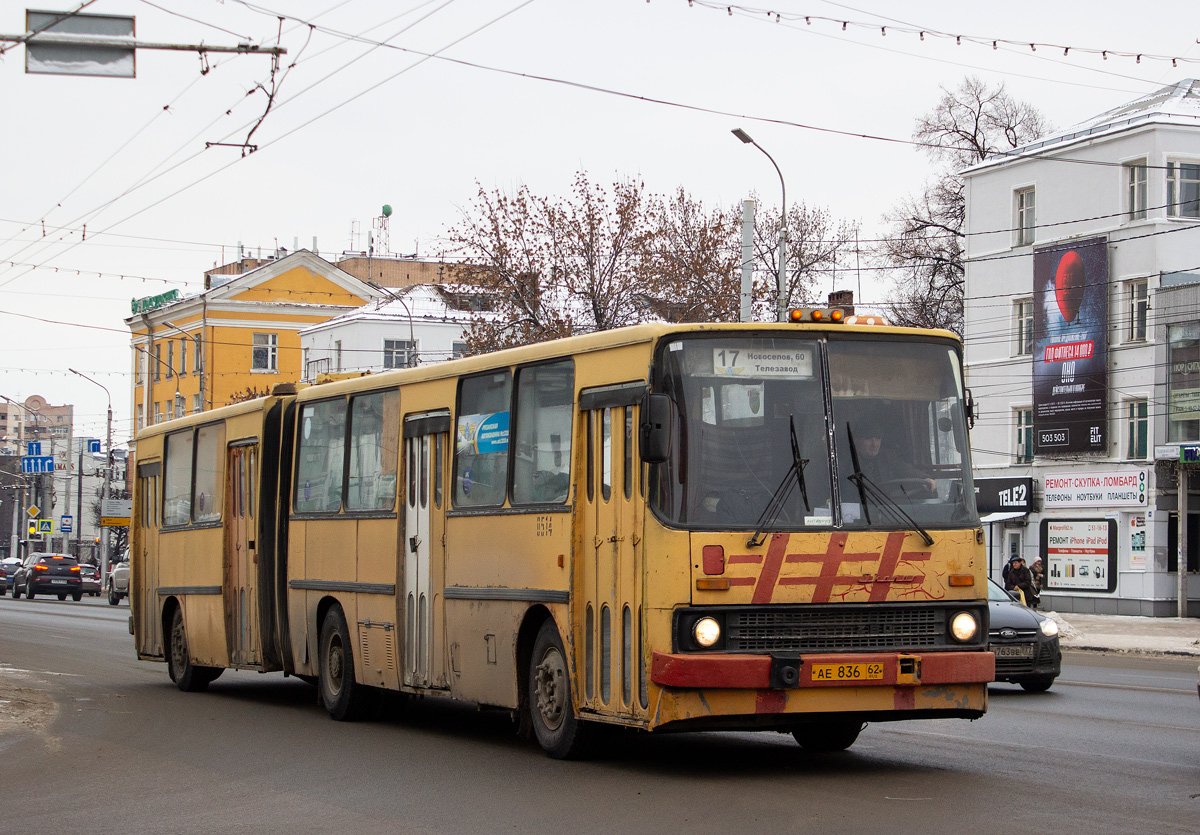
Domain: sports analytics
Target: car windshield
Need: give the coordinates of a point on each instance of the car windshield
(995, 593)
(879, 432)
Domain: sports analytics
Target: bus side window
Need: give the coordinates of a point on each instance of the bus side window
(481, 440)
(542, 456)
(374, 448)
(320, 453)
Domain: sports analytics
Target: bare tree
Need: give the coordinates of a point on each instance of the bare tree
(818, 245)
(924, 244)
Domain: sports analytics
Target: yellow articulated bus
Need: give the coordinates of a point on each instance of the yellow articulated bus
(666, 527)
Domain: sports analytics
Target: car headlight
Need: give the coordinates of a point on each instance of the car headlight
(706, 631)
(963, 626)
(1049, 627)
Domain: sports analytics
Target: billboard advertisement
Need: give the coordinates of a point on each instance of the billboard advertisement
(1080, 554)
(1070, 347)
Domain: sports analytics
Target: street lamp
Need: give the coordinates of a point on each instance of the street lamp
(781, 280)
(106, 490)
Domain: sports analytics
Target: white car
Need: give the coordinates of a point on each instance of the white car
(117, 584)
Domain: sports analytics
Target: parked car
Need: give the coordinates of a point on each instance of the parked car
(47, 573)
(90, 575)
(117, 584)
(10, 564)
(1024, 642)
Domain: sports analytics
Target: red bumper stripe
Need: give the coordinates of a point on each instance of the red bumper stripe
(754, 671)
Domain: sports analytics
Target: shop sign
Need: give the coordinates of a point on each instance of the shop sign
(1103, 488)
(1080, 554)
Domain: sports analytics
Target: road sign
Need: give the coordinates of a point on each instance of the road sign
(115, 512)
(33, 448)
(94, 445)
(65, 524)
(45, 526)
(33, 510)
(37, 463)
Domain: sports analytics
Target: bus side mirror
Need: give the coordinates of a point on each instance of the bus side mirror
(970, 404)
(654, 433)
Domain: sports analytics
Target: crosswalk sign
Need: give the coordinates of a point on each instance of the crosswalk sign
(45, 526)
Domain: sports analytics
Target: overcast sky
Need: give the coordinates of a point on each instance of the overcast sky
(520, 92)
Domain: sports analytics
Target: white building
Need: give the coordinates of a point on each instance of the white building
(1082, 325)
(421, 324)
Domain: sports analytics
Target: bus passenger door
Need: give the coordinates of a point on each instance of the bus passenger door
(610, 603)
(425, 443)
(143, 596)
(241, 560)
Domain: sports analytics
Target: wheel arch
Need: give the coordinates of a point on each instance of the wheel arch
(527, 633)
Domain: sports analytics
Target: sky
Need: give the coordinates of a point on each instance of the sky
(112, 189)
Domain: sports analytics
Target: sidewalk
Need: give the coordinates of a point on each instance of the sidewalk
(1123, 633)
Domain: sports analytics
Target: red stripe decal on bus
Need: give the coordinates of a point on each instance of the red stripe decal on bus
(765, 590)
(770, 701)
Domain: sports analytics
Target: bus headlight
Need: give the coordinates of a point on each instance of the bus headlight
(706, 631)
(963, 626)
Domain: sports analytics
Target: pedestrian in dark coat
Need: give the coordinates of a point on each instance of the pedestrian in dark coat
(1019, 577)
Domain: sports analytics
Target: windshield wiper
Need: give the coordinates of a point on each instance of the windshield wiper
(783, 491)
(866, 488)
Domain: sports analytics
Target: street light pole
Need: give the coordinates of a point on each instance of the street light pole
(105, 492)
(781, 279)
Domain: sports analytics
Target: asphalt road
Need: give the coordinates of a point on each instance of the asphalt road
(107, 744)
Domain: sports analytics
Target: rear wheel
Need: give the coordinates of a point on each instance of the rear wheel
(113, 597)
(187, 676)
(62, 597)
(831, 735)
(77, 596)
(344, 698)
(552, 713)
(28, 592)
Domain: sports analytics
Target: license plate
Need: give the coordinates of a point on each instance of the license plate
(847, 672)
(1019, 651)
(58, 581)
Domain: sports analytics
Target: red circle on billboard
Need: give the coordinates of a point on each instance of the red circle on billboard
(1069, 285)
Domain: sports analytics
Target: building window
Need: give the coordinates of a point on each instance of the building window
(458, 350)
(1023, 418)
(182, 357)
(198, 354)
(197, 404)
(1135, 190)
(1183, 189)
(1139, 305)
(139, 367)
(158, 363)
(399, 353)
(158, 415)
(1026, 218)
(170, 358)
(337, 353)
(1139, 429)
(141, 416)
(1023, 327)
(266, 349)
(1183, 382)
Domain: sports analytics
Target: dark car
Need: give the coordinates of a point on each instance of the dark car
(1025, 643)
(56, 574)
(11, 564)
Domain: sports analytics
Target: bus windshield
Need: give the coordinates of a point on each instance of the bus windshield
(879, 429)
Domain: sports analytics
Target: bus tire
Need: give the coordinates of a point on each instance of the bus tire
(187, 676)
(557, 729)
(344, 698)
(829, 735)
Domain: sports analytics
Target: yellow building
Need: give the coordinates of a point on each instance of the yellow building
(240, 335)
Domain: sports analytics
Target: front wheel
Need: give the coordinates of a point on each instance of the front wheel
(552, 713)
(29, 592)
(187, 676)
(113, 597)
(344, 698)
(1037, 684)
(831, 735)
